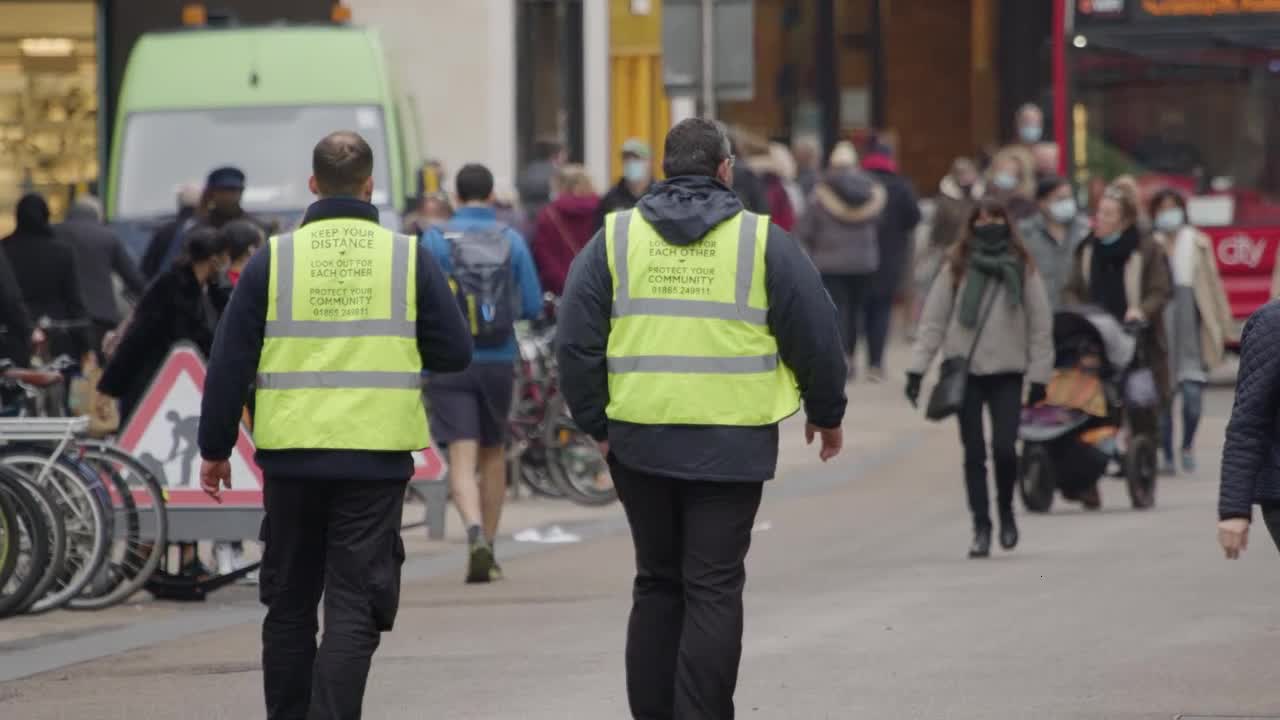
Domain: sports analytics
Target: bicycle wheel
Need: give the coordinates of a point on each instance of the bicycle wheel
(82, 500)
(574, 459)
(9, 538)
(141, 527)
(57, 533)
(32, 548)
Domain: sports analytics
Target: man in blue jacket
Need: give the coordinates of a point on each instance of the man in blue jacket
(470, 409)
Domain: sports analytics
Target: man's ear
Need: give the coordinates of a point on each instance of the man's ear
(313, 186)
(368, 190)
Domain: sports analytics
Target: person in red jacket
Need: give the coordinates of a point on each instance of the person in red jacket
(564, 226)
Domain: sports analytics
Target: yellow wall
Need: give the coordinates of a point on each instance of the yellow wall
(638, 106)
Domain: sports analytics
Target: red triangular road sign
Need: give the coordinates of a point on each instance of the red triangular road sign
(162, 435)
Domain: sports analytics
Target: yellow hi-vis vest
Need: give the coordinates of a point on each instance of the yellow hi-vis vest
(689, 342)
(340, 368)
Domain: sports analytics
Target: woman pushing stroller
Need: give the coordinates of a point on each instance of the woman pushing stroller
(988, 305)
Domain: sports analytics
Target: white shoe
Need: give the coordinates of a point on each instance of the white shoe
(226, 563)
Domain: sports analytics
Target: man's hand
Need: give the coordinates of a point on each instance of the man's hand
(214, 476)
(1233, 536)
(832, 440)
(1134, 315)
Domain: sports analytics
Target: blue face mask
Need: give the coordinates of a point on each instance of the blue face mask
(1030, 133)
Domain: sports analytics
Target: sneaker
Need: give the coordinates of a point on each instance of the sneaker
(875, 375)
(495, 572)
(1167, 468)
(1188, 461)
(480, 564)
(226, 559)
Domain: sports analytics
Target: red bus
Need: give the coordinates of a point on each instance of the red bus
(1181, 93)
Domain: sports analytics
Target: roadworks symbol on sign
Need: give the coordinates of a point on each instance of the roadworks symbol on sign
(162, 435)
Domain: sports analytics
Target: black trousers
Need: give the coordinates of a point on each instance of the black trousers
(684, 640)
(339, 539)
(1001, 395)
(848, 292)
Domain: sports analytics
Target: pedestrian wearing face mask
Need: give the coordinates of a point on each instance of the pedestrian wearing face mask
(1197, 320)
(989, 303)
(637, 178)
(1011, 181)
(1030, 125)
(1053, 234)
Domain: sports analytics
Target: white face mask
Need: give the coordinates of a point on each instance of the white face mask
(1030, 133)
(1170, 219)
(1005, 181)
(1063, 210)
(636, 171)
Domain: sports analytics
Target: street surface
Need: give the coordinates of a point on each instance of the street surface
(860, 604)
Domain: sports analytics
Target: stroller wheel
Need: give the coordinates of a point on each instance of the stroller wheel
(1140, 472)
(1035, 478)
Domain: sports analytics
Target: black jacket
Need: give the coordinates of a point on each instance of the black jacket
(45, 268)
(750, 190)
(444, 342)
(15, 323)
(99, 255)
(1251, 455)
(618, 198)
(897, 223)
(801, 317)
(174, 309)
(160, 242)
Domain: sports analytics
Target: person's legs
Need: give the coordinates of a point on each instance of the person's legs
(1004, 406)
(1166, 434)
(658, 597)
(838, 289)
(362, 591)
(290, 584)
(493, 488)
(975, 452)
(495, 388)
(463, 462)
(1271, 517)
(457, 402)
(718, 517)
(1192, 407)
(879, 307)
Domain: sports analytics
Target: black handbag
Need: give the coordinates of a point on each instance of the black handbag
(948, 395)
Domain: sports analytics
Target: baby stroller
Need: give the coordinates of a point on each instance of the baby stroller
(1083, 428)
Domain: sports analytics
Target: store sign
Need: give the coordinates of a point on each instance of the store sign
(1204, 8)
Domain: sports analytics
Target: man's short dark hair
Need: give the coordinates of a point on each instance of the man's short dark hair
(342, 163)
(474, 183)
(695, 147)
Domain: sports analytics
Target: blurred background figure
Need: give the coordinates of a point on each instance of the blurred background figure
(1029, 122)
(188, 203)
(16, 329)
(1054, 233)
(808, 155)
(1127, 185)
(776, 170)
(747, 185)
(433, 209)
(534, 184)
(100, 260)
(839, 232)
(175, 308)
(894, 235)
(958, 193)
(1044, 157)
(564, 227)
(1197, 320)
(45, 269)
(637, 178)
(242, 239)
(1011, 180)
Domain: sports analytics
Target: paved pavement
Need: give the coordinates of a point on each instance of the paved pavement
(860, 605)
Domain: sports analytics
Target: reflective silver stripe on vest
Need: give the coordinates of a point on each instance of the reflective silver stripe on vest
(397, 326)
(624, 305)
(699, 365)
(339, 379)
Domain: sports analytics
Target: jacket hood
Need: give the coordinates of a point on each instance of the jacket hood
(32, 216)
(685, 208)
(576, 205)
(851, 197)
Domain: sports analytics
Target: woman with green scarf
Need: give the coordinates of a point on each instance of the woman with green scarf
(989, 290)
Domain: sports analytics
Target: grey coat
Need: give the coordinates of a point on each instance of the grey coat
(1053, 259)
(839, 231)
(1016, 338)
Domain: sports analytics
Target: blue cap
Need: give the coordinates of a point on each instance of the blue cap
(225, 178)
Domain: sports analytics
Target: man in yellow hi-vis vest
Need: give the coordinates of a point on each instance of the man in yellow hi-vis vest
(689, 330)
(333, 323)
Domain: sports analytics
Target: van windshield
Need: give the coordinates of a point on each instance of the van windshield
(161, 150)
